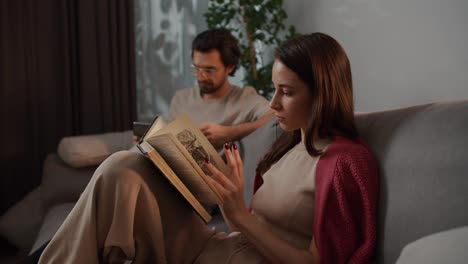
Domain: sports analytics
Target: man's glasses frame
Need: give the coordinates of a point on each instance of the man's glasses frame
(206, 71)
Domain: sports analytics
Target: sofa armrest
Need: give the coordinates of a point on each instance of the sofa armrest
(91, 150)
(20, 223)
(62, 183)
(53, 219)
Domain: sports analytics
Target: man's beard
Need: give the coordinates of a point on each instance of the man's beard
(208, 87)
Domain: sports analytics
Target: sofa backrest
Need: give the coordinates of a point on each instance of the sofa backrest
(423, 157)
(253, 148)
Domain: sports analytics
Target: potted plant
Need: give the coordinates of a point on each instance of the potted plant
(259, 26)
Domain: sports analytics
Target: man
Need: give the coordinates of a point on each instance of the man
(224, 112)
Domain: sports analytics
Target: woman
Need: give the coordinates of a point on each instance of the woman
(316, 190)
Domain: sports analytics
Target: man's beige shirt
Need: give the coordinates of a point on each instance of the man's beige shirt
(239, 106)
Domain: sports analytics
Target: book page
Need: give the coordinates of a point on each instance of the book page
(156, 125)
(171, 150)
(195, 142)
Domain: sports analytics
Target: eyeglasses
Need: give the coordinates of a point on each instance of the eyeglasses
(206, 71)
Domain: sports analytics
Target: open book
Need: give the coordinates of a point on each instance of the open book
(179, 150)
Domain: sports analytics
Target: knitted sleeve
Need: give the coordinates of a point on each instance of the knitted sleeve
(346, 208)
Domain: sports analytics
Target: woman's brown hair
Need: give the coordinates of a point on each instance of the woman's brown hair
(321, 62)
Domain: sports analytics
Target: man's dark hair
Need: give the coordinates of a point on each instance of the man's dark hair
(219, 39)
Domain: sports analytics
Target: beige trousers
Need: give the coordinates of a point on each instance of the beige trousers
(128, 211)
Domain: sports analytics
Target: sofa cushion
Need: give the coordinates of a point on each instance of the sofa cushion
(443, 247)
(422, 154)
(91, 150)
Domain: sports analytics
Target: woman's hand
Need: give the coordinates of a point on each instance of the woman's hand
(231, 186)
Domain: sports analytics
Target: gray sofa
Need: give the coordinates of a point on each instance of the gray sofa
(423, 158)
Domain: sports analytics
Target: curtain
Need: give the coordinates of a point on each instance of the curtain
(66, 68)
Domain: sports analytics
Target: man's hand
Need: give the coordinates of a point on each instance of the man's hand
(216, 134)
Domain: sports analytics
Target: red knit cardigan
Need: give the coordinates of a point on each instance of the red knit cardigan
(345, 211)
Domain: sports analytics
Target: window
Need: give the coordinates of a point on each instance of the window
(164, 30)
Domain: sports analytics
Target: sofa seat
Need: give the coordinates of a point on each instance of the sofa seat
(51, 223)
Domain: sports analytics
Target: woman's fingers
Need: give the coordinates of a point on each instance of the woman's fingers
(229, 156)
(221, 190)
(220, 177)
(239, 163)
(233, 182)
(232, 160)
(235, 163)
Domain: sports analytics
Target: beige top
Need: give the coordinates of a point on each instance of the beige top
(285, 201)
(239, 106)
